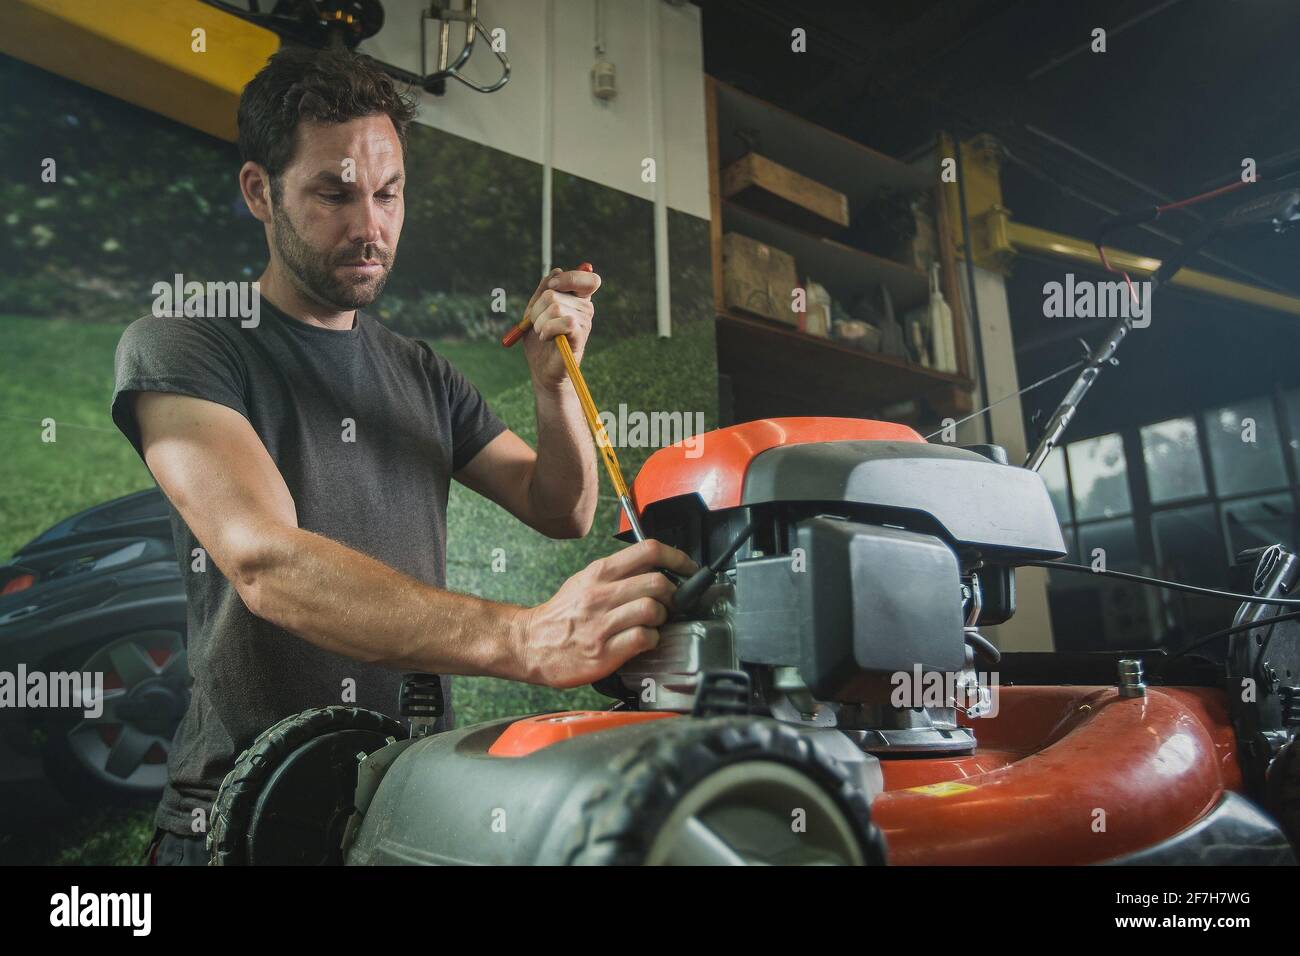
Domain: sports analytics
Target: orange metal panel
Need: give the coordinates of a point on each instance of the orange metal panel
(143, 51)
(718, 473)
(533, 733)
(1102, 776)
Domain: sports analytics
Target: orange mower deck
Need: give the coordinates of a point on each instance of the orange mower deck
(1063, 775)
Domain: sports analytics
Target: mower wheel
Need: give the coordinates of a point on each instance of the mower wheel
(731, 791)
(289, 796)
(1282, 790)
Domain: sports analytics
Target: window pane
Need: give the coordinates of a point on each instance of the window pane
(1188, 546)
(1100, 477)
(1115, 538)
(1257, 522)
(1189, 549)
(1090, 612)
(1173, 459)
(1053, 472)
(1245, 458)
(1102, 614)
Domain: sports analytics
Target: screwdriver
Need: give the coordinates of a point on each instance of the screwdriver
(598, 432)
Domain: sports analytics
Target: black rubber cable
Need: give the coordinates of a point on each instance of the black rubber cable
(1167, 585)
(689, 593)
(982, 644)
(1236, 629)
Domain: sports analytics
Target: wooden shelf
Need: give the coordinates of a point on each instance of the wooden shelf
(807, 374)
(846, 272)
(834, 160)
(773, 369)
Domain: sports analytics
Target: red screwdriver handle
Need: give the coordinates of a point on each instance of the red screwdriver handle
(517, 332)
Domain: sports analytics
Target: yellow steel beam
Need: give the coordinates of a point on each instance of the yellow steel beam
(996, 240)
(144, 52)
(981, 172)
(1031, 239)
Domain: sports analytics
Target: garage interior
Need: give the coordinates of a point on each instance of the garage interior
(850, 210)
(1056, 139)
(1153, 470)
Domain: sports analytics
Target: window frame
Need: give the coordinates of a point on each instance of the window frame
(1141, 507)
(1143, 510)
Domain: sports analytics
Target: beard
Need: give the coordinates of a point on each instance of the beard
(314, 269)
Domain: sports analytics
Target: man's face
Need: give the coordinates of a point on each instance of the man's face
(339, 211)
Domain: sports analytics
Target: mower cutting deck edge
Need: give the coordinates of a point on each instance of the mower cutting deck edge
(828, 698)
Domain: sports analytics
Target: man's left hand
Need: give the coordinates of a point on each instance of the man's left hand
(560, 306)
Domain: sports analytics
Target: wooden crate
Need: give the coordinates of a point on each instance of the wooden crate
(758, 278)
(780, 192)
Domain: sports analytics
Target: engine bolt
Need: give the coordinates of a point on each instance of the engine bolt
(1131, 683)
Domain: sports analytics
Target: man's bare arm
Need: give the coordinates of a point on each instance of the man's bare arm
(217, 473)
(552, 490)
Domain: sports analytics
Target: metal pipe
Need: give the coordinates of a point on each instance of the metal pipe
(1061, 418)
(548, 130)
(969, 255)
(1056, 245)
(1112, 32)
(655, 117)
(1146, 227)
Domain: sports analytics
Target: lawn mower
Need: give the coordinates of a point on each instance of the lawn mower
(850, 561)
(823, 694)
(98, 592)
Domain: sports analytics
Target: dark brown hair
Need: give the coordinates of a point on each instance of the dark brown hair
(328, 86)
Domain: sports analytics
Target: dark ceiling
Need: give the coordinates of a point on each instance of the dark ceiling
(1185, 90)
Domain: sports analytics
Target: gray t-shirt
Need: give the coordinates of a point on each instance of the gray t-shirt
(366, 426)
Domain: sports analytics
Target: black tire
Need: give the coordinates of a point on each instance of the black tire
(1282, 791)
(80, 753)
(621, 823)
(239, 812)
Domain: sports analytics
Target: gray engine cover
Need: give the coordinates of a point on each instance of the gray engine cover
(998, 510)
(875, 602)
(867, 602)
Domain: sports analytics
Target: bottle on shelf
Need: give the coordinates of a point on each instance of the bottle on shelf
(941, 330)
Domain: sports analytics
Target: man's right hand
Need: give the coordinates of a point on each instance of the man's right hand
(604, 615)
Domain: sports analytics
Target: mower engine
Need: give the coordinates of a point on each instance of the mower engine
(869, 561)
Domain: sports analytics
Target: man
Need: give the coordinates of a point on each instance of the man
(307, 458)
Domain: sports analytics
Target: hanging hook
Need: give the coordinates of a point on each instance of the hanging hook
(435, 82)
